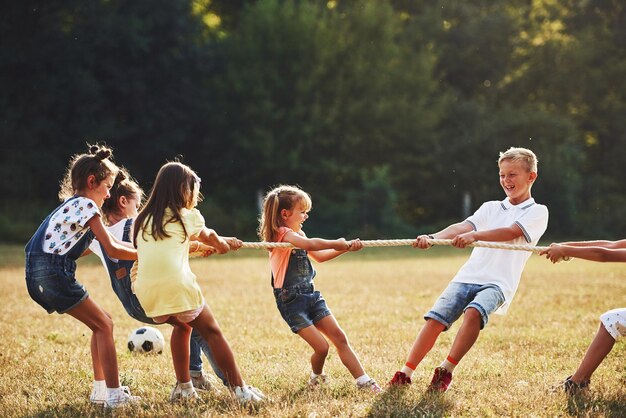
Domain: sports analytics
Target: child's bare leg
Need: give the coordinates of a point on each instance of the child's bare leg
(425, 341)
(467, 335)
(316, 340)
(601, 345)
(98, 374)
(329, 327)
(208, 327)
(90, 314)
(179, 344)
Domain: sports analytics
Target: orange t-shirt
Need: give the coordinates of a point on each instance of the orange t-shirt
(279, 258)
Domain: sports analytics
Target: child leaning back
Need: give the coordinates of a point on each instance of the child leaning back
(487, 282)
(285, 209)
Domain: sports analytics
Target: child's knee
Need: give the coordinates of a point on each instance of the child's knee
(472, 314)
(322, 350)
(104, 324)
(341, 340)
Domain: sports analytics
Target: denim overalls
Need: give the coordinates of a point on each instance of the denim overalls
(50, 277)
(119, 273)
(298, 302)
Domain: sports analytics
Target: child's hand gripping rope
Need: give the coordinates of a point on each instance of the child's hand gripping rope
(554, 253)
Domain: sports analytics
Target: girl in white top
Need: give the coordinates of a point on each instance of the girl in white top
(165, 285)
(51, 256)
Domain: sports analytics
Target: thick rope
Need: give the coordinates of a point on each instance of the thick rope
(400, 242)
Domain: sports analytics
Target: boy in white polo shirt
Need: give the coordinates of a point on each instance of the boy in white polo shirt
(488, 280)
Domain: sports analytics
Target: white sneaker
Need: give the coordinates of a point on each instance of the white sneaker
(120, 398)
(201, 382)
(370, 385)
(99, 396)
(183, 392)
(318, 380)
(249, 394)
(257, 392)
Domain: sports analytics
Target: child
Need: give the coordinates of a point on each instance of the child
(119, 211)
(612, 323)
(167, 288)
(51, 264)
(285, 209)
(489, 279)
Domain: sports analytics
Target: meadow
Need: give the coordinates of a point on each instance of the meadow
(378, 296)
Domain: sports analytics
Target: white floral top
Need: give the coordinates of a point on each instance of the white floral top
(68, 224)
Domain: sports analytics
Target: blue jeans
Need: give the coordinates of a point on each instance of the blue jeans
(458, 297)
(196, 345)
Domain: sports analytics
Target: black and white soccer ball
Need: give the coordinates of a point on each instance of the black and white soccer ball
(146, 340)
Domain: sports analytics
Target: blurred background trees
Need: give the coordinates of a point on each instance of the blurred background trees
(390, 114)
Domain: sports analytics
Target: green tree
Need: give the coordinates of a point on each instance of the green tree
(312, 95)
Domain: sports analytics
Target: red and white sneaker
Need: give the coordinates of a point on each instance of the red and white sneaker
(442, 379)
(400, 379)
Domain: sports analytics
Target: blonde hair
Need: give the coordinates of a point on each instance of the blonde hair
(277, 199)
(520, 155)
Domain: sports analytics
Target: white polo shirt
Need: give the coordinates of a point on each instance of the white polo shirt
(503, 267)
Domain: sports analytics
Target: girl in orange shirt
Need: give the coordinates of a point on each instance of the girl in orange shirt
(285, 209)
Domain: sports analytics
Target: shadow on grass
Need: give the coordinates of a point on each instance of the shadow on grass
(596, 404)
(402, 402)
(221, 406)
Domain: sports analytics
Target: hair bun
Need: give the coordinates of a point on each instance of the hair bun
(122, 175)
(100, 152)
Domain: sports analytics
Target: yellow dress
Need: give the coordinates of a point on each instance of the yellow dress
(165, 284)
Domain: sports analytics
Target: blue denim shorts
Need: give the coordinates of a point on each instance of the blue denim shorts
(458, 297)
(51, 282)
(301, 306)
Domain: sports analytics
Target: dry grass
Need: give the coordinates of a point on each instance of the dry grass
(378, 297)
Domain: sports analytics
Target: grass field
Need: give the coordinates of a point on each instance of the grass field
(378, 297)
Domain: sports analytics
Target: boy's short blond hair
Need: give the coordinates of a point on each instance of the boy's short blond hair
(523, 155)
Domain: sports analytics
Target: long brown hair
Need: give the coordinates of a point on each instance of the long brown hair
(173, 189)
(277, 199)
(96, 162)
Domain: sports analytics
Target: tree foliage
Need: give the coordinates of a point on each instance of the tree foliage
(390, 113)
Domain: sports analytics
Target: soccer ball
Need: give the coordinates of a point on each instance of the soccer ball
(146, 340)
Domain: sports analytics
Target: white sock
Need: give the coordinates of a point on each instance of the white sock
(113, 393)
(314, 375)
(100, 386)
(448, 365)
(407, 371)
(186, 385)
(361, 380)
(99, 391)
